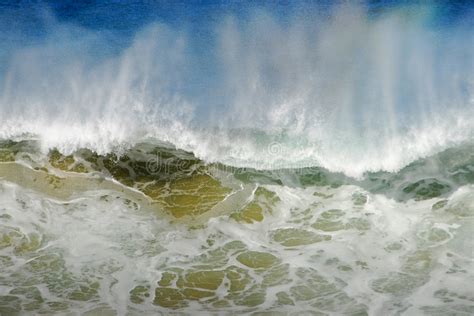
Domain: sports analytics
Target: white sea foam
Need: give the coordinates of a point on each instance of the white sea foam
(101, 237)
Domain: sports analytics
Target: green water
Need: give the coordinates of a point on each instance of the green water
(156, 230)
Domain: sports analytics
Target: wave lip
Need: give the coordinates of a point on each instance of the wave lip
(250, 148)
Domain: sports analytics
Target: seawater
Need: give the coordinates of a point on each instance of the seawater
(158, 231)
(266, 159)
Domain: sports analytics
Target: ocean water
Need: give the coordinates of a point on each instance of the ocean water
(223, 158)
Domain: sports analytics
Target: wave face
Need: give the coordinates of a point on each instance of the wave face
(157, 231)
(259, 90)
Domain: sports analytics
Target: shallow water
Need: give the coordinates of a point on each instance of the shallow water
(118, 237)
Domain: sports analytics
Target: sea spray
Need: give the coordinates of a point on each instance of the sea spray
(398, 88)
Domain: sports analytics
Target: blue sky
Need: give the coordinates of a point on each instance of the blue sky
(112, 25)
(27, 16)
